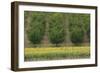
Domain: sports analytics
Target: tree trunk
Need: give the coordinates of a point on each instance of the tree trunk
(85, 39)
(45, 40)
(26, 27)
(66, 23)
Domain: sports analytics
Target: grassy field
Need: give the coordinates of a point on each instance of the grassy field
(54, 53)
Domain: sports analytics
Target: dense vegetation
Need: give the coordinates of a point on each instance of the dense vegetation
(78, 26)
(37, 27)
(56, 28)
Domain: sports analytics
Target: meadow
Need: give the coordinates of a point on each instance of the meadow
(56, 53)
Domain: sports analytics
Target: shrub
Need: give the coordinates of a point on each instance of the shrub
(56, 29)
(76, 35)
(37, 27)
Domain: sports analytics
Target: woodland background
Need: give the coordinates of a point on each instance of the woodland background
(56, 29)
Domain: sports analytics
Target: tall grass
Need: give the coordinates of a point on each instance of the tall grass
(52, 53)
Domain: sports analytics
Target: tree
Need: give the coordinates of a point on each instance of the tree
(85, 20)
(37, 26)
(76, 31)
(56, 28)
(76, 36)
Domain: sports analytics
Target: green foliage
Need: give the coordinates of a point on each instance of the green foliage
(56, 28)
(86, 24)
(76, 36)
(37, 27)
(76, 33)
(79, 24)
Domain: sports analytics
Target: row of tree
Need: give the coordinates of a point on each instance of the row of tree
(57, 28)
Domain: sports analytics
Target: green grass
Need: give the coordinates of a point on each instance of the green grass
(54, 53)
